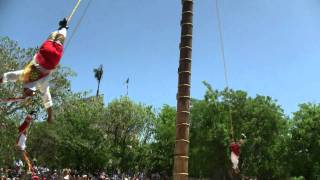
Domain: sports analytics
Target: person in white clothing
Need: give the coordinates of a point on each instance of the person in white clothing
(22, 139)
(35, 76)
(235, 152)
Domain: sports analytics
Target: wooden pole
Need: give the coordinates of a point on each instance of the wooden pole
(180, 169)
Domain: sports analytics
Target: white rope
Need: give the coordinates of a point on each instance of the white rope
(77, 25)
(74, 10)
(222, 44)
(224, 63)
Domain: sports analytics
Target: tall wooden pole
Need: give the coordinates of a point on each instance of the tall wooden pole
(180, 169)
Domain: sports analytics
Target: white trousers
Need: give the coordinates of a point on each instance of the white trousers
(22, 139)
(234, 160)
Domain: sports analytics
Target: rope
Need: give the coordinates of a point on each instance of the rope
(74, 10)
(9, 100)
(224, 62)
(222, 44)
(77, 25)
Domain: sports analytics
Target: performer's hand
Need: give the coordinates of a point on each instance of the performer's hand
(28, 92)
(63, 23)
(50, 115)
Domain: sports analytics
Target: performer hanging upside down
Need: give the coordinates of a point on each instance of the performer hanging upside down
(22, 138)
(235, 152)
(45, 61)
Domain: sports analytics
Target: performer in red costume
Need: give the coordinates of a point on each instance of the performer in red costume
(235, 152)
(22, 138)
(36, 74)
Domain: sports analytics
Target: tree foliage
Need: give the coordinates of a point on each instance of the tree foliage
(304, 145)
(213, 119)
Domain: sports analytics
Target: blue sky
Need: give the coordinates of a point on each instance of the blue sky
(272, 47)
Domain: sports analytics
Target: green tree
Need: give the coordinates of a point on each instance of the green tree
(305, 144)
(74, 140)
(128, 126)
(164, 140)
(260, 118)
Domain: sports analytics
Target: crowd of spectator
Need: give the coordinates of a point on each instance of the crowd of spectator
(43, 173)
(17, 172)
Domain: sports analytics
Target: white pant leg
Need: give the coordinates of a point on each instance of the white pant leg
(12, 76)
(43, 87)
(234, 160)
(22, 141)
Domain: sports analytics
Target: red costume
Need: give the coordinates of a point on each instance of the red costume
(23, 127)
(235, 148)
(49, 54)
(22, 138)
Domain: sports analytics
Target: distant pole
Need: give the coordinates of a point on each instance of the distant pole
(127, 87)
(98, 73)
(181, 158)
